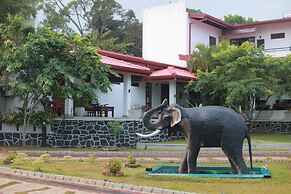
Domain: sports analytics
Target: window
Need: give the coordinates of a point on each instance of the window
(261, 43)
(277, 35)
(212, 41)
(239, 41)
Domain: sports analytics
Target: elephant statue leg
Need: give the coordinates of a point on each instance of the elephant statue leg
(183, 169)
(193, 151)
(233, 150)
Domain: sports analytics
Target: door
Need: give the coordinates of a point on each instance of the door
(164, 92)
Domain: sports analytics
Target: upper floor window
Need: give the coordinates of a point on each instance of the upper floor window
(212, 41)
(278, 35)
(240, 41)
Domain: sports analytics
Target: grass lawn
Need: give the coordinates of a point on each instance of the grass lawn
(279, 183)
(257, 138)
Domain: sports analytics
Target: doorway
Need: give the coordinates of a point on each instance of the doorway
(164, 92)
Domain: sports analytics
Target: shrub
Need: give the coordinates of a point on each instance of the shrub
(114, 165)
(45, 157)
(18, 158)
(37, 164)
(67, 157)
(131, 159)
(9, 159)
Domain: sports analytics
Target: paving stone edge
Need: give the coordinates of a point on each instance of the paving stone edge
(84, 181)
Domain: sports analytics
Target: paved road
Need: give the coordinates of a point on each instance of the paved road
(15, 184)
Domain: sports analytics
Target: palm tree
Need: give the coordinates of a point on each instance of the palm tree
(201, 58)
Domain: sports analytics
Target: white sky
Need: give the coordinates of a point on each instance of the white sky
(257, 9)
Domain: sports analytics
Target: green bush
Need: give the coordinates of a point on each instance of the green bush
(45, 157)
(9, 159)
(37, 164)
(11, 118)
(131, 159)
(41, 117)
(114, 165)
(19, 158)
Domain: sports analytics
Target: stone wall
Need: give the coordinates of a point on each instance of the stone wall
(96, 133)
(270, 127)
(87, 134)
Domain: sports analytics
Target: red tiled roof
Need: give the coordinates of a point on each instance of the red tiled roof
(129, 58)
(287, 19)
(208, 19)
(124, 66)
(172, 73)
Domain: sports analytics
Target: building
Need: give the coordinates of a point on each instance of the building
(170, 33)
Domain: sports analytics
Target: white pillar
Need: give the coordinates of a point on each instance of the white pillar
(69, 107)
(126, 94)
(172, 92)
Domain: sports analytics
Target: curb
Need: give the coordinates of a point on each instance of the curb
(144, 154)
(90, 182)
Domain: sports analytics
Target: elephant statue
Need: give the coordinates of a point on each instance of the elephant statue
(209, 126)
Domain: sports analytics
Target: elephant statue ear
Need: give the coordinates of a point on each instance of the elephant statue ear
(176, 116)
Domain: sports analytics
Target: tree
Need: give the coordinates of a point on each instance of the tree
(26, 8)
(237, 19)
(42, 63)
(103, 20)
(189, 10)
(201, 58)
(239, 76)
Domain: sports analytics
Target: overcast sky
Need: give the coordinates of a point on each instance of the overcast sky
(257, 9)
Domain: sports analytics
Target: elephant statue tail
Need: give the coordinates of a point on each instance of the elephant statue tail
(250, 148)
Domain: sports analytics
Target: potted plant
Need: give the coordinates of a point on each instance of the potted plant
(80, 102)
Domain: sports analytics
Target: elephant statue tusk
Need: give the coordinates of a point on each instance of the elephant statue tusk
(149, 135)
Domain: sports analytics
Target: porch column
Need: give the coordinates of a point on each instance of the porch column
(172, 92)
(69, 107)
(126, 94)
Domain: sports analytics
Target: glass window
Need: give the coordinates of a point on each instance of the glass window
(212, 41)
(277, 35)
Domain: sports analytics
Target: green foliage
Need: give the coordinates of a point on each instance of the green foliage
(103, 21)
(237, 76)
(82, 101)
(131, 159)
(45, 157)
(37, 164)
(189, 10)
(25, 8)
(19, 158)
(41, 63)
(116, 128)
(9, 159)
(114, 165)
(11, 118)
(43, 117)
(237, 19)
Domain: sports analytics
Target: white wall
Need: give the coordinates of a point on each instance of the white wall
(115, 97)
(165, 33)
(138, 94)
(156, 94)
(200, 33)
(265, 31)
